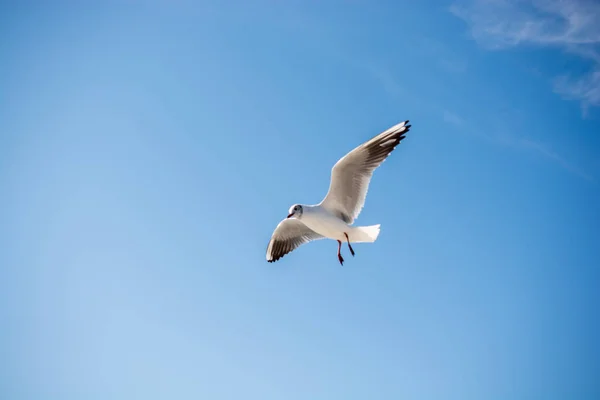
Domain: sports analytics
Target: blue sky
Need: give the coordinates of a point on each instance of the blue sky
(148, 149)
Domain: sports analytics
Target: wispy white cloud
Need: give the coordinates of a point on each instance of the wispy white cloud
(586, 88)
(452, 118)
(569, 25)
(519, 143)
(502, 138)
(545, 151)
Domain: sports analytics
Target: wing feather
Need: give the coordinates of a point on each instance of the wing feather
(351, 175)
(289, 234)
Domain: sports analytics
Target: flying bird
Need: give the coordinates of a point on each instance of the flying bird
(333, 217)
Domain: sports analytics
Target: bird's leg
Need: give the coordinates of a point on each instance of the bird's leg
(350, 247)
(340, 252)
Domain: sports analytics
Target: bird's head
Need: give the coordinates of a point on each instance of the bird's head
(295, 211)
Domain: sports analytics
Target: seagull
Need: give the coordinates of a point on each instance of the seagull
(333, 216)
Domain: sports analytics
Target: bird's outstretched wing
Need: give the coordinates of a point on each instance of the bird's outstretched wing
(289, 235)
(351, 175)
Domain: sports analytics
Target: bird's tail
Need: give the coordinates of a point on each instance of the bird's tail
(366, 234)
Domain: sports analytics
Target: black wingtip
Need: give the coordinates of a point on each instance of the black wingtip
(272, 260)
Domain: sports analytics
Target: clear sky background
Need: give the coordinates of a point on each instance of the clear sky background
(149, 148)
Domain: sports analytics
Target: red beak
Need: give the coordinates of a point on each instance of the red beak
(289, 215)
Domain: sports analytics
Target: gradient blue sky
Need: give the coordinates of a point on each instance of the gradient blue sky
(148, 149)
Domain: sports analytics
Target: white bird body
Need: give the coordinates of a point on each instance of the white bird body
(323, 222)
(333, 217)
